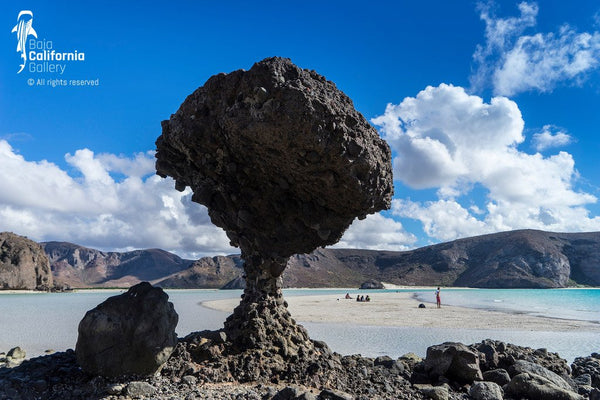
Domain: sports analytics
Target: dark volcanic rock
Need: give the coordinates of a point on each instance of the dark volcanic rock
(185, 376)
(537, 387)
(23, 264)
(499, 376)
(588, 366)
(132, 333)
(372, 284)
(279, 156)
(284, 163)
(522, 366)
(454, 361)
(486, 391)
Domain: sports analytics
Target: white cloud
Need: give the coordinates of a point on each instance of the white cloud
(443, 219)
(44, 202)
(140, 165)
(376, 232)
(141, 210)
(513, 62)
(549, 137)
(448, 220)
(451, 141)
(441, 132)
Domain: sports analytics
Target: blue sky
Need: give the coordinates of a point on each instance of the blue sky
(491, 110)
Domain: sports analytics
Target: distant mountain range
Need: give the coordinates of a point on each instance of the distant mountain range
(79, 266)
(516, 259)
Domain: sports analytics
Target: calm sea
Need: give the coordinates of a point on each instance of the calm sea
(40, 321)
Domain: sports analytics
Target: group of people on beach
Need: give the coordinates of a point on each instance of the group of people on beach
(358, 298)
(438, 298)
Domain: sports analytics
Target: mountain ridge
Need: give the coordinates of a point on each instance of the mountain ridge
(512, 259)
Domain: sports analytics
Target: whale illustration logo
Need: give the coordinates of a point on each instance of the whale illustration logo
(24, 28)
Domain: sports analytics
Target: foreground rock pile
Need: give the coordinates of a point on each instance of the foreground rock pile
(488, 370)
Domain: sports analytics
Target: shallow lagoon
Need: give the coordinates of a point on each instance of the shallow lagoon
(40, 321)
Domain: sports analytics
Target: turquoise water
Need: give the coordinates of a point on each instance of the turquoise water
(43, 321)
(579, 304)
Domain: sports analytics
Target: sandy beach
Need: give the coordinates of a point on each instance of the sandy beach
(401, 309)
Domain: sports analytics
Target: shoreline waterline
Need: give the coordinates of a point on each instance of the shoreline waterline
(391, 324)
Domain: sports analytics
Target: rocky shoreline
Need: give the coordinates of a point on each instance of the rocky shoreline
(196, 370)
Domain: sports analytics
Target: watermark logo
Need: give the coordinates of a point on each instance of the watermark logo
(46, 64)
(23, 29)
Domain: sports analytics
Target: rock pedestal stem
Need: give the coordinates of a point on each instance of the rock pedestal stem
(261, 320)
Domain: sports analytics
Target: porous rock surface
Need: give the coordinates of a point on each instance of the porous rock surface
(129, 334)
(588, 366)
(186, 376)
(453, 360)
(280, 157)
(23, 264)
(284, 164)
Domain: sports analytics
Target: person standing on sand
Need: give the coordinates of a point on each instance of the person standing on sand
(438, 300)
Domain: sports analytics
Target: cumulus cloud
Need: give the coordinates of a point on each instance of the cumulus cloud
(377, 232)
(115, 202)
(513, 62)
(439, 134)
(451, 141)
(443, 219)
(549, 137)
(140, 165)
(141, 210)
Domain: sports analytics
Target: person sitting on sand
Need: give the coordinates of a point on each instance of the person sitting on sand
(357, 298)
(348, 296)
(438, 300)
(367, 298)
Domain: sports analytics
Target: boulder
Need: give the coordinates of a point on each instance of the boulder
(129, 334)
(522, 366)
(23, 264)
(372, 284)
(536, 387)
(331, 394)
(488, 348)
(499, 376)
(486, 391)
(287, 393)
(139, 389)
(16, 353)
(455, 361)
(385, 361)
(435, 392)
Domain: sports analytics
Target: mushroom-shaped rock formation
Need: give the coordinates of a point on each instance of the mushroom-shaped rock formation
(284, 164)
